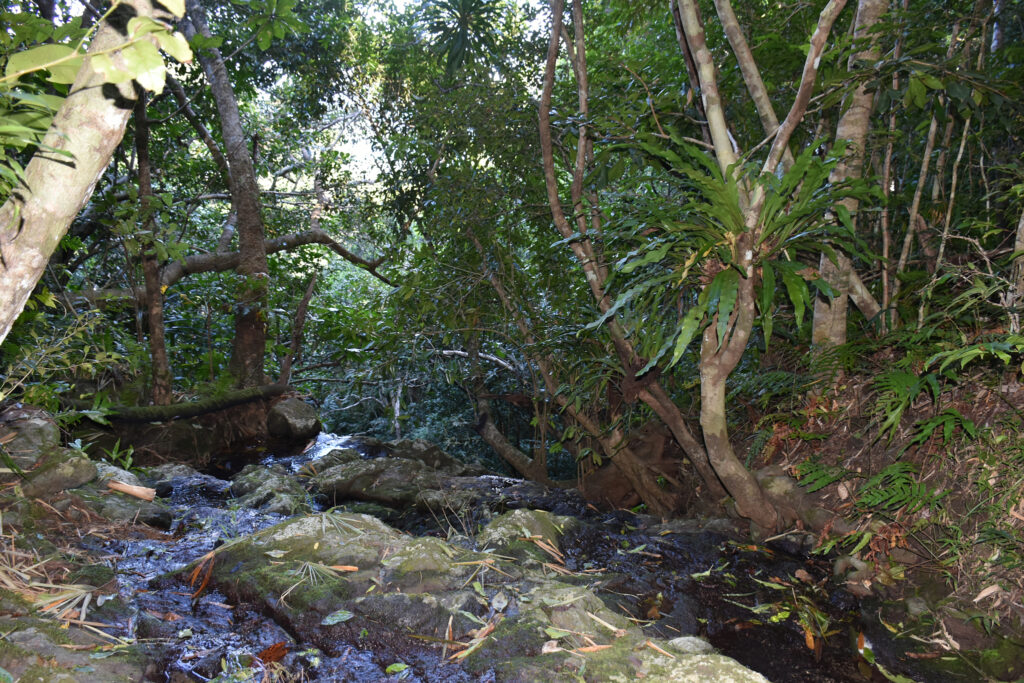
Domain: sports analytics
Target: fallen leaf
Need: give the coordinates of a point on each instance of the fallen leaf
(549, 647)
(987, 592)
(274, 653)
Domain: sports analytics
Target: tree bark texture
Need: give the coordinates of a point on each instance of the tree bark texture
(250, 316)
(89, 125)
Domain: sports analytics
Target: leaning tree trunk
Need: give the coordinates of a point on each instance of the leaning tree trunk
(643, 480)
(88, 126)
(250, 315)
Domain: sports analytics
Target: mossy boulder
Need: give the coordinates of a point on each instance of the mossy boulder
(506, 533)
(62, 469)
(120, 507)
(394, 483)
(28, 433)
(270, 489)
(420, 614)
(332, 458)
(106, 472)
(431, 456)
(34, 650)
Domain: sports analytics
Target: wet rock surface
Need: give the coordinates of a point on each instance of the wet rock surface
(386, 561)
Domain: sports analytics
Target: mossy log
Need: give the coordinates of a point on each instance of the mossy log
(192, 409)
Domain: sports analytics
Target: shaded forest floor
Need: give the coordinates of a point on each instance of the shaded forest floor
(934, 486)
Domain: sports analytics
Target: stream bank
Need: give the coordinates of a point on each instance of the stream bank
(359, 560)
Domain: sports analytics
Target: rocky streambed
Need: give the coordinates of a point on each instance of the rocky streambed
(364, 561)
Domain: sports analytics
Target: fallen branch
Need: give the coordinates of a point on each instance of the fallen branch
(140, 492)
(180, 410)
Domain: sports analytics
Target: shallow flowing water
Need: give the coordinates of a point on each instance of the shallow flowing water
(774, 612)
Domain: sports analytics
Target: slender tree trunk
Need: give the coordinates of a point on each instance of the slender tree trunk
(250, 315)
(148, 237)
(88, 126)
(295, 349)
(1015, 300)
(751, 74)
(593, 268)
(721, 354)
(719, 358)
(829, 327)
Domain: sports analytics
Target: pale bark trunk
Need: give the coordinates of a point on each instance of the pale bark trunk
(250, 316)
(88, 126)
(829, 326)
(1015, 303)
(161, 371)
(751, 74)
(719, 358)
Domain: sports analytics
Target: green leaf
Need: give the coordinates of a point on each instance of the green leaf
(264, 38)
(104, 65)
(767, 300)
(797, 290)
(396, 668)
(338, 617)
(555, 633)
(728, 291)
(141, 26)
(37, 58)
(687, 330)
(145, 64)
(175, 45)
(651, 256)
(175, 7)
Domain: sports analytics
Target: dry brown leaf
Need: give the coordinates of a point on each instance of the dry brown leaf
(274, 653)
(592, 648)
(658, 649)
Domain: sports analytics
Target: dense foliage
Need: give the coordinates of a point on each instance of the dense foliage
(440, 268)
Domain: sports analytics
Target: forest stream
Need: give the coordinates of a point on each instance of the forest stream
(358, 560)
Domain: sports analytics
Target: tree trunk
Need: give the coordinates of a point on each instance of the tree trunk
(1015, 302)
(594, 270)
(250, 316)
(176, 411)
(829, 326)
(89, 125)
(295, 349)
(161, 371)
(719, 358)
